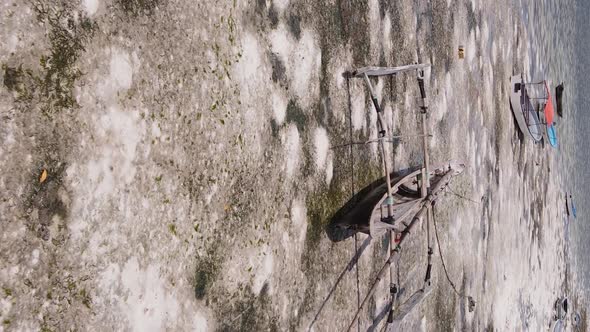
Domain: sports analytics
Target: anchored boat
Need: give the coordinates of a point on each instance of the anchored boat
(527, 117)
(524, 112)
(367, 212)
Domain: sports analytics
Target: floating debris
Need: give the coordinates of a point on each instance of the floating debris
(43, 176)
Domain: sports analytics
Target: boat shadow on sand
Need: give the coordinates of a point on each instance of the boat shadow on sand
(353, 216)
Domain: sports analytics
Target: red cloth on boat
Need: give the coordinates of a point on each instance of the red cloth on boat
(548, 107)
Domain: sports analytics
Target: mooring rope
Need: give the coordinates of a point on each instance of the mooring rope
(452, 192)
(358, 289)
(469, 298)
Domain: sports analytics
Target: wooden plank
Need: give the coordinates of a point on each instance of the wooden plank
(403, 310)
(384, 71)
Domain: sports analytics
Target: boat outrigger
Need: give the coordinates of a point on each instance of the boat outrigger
(398, 201)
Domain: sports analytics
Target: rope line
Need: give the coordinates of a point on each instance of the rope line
(442, 258)
(452, 192)
(352, 191)
(470, 301)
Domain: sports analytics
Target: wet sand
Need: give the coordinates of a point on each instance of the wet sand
(191, 172)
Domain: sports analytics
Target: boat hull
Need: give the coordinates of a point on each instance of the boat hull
(366, 211)
(524, 113)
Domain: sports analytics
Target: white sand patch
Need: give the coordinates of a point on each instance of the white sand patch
(251, 56)
(121, 72)
(494, 52)
(382, 299)
(12, 43)
(35, 257)
(471, 50)
(329, 170)
(441, 107)
(90, 6)
(339, 77)
(374, 26)
(280, 5)
(386, 40)
(144, 298)
(9, 139)
(322, 146)
(388, 117)
(291, 144)
(200, 323)
(252, 73)
(281, 43)
(156, 132)
(117, 134)
(120, 76)
(263, 272)
(211, 193)
(306, 65)
(279, 106)
(299, 220)
(485, 38)
(5, 306)
(358, 111)
(302, 61)
(441, 102)
(339, 63)
(448, 87)
(121, 132)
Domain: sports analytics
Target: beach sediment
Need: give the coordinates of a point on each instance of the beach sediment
(191, 165)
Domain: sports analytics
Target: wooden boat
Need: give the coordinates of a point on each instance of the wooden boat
(395, 203)
(367, 211)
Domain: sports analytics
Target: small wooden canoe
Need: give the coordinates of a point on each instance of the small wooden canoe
(367, 210)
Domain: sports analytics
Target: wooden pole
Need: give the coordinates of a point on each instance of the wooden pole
(383, 150)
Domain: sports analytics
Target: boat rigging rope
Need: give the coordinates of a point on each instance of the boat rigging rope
(462, 295)
(450, 191)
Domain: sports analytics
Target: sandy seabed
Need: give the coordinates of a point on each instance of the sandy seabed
(191, 168)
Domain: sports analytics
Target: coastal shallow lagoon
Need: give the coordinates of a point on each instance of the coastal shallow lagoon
(191, 162)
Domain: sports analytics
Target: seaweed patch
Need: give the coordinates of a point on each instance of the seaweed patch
(51, 89)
